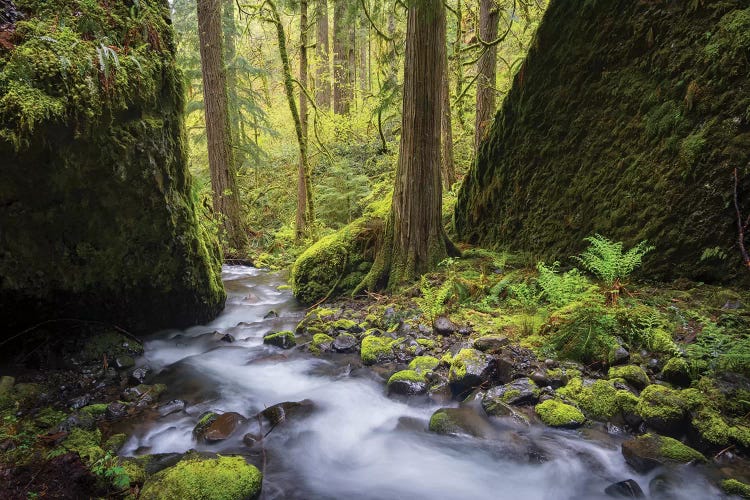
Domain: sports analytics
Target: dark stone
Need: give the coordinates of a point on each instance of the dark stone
(522, 391)
(457, 421)
(407, 387)
(79, 402)
(224, 337)
(204, 422)
(345, 342)
(172, 407)
(282, 412)
(491, 343)
(649, 451)
(540, 378)
(444, 326)
(620, 356)
(223, 426)
(271, 314)
(469, 369)
(284, 340)
(116, 411)
(138, 376)
(82, 420)
(124, 362)
(662, 487)
(624, 489)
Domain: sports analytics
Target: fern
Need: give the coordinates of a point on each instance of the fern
(562, 289)
(605, 259)
(433, 299)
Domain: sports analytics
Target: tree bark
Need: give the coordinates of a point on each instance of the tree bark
(343, 55)
(230, 52)
(486, 71)
(448, 167)
(226, 200)
(302, 175)
(415, 241)
(322, 67)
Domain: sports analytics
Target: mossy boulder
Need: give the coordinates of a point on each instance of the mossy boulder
(649, 451)
(522, 391)
(376, 349)
(468, 369)
(635, 136)
(337, 263)
(676, 371)
(734, 487)
(98, 218)
(458, 421)
(407, 383)
(424, 363)
(632, 374)
(558, 414)
(222, 478)
(284, 339)
(663, 409)
(600, 399)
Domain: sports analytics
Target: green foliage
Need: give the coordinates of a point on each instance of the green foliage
(562, 289)
(716, 349)
(605, 259)
(433, 299)
(582, 331)
(108, 468)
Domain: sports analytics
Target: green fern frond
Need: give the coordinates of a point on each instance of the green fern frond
(605, 258)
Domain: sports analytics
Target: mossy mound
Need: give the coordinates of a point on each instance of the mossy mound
(558, 414)
(284, 339)
(734, 487)
(626, 119)
(337, 263)
(99, 220)
(651, 450)
(223, 478)
(376, 349)
(600, 400)
(632, 374)
(663, 409)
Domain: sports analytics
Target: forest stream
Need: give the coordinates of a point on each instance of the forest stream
(356, 442)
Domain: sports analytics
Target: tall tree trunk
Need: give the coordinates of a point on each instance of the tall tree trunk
(486, 70)
(448, 169)
(343, 70)
(302, 174)
(362, 56)
(322, 67)
(415, 241)
(458, 62)
(230, 52)
(226, 200)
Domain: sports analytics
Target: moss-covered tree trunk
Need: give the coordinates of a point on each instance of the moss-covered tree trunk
(486, 70)
(302, 174)
(415, 240)
(448, 167)
(322, 51)
(230, 53)
(342, 67)
(226, 198)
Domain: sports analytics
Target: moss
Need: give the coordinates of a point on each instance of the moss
(135, 471)
(49, 417)
(662, 407)
(424, 363)
(663, 111)
(407, 376)
(599, 401)
(344, 324)
(223, 478)
(676, 371)
(426, 343)
(375, 349)
(632, 374)
(318, 340)
(460, 361)
(95, 410)
(557, 414)
(734, 487)
(712, 428)
(441, 422)
(85, 443)
(115, 442)
(284, 339)
(446, 358)
(675, 450)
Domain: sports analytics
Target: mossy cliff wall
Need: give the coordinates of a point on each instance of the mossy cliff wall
(96, 215)
(626, 119)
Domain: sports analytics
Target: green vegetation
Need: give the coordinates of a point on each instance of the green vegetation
(557, 414)
(605, 259)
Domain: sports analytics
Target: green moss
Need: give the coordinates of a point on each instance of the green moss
(223, 478)
(85, 443)
(424, 363)
(426, 343)
(460, 361)
(375, 348)
(664, 406)
(734, 487)
(49, 417)
(135, 471)
(712, 428)
(95, 410)
(284, 339)
(675, 450)
(557, 414)
(318, 340)
(632, 374)
(441, 422)
(344, 324)
(115, 442)
(676, 370)
(600, 401)
(407, 376)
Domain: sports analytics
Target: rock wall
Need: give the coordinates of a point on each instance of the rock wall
(96, 215)
(627, 119)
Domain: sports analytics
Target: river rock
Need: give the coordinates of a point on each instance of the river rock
(116, 410)
(457, 421)
(82, 420)
(649, 451)
(663, 487)
(289, 410)
(223, 337)
(490, 343)
(284, 340)
(222, 427)
(171, 407)
(271, 314)
(407, 383)
(620, 356)
(470, 368)
(79, 402)
(138, 375)
(204, 422)
(345, 342)
(444, 326)
(522, 391)
(624, 489)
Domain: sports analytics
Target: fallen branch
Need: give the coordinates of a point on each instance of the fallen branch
(741, 228)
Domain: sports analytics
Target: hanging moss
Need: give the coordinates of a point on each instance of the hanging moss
(626, 119)
(98, 220)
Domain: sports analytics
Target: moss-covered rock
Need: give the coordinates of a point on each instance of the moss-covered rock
(676, 371)
(375, 349)
(557, 414)
(424, 363)
(457, 421)
(651, 450)
(468, 369)
(600, 400)
(634, 136)
(284, 339)
(222, 478)
(407, 383)
(99, 221)
(337, 263)
(632, 374)
(87, 444)
(663, 409)
(734, 487)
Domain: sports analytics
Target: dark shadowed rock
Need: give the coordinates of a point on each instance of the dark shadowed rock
(649, 451)
(522, 391)
(469, 368)
(490, 343)
(624, 489)
(345, 342)
(172, 407)
(138, 375)
(116, 410)
(444, 326)
(223, 426)
(457, 421)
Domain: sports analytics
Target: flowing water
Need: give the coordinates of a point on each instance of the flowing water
(358, 443)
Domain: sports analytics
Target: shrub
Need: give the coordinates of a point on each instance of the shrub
(605, 259)
(562, 289)
(582, 331)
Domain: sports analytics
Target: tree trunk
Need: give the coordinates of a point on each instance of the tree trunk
(448, 169)
(343, 56)
(415, 241)
(458, 63)
(486, 71)
(302, 191)
(230, 52)
(322, 67)
(226, 200)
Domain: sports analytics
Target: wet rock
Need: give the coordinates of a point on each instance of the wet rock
(624, 489)
(440, 393)
(79, 402)
(444, 326)
(457, 421)
(345, 342)
(632, 374)
(522, 391)
(558, 414)
(289, 410)
(204, 422)
(160, 461)
(649, 451)
(470, 368)
(490, 343)
(540, 378)
(271, 314)
(407, 383)
(116, 411)
(222, 427)
(464, 331)
(138, 375)
(170, 407)
(124, 362)
(223, 337)
(80, 420)
(676, 371)
(663, 487)
(620, 356)
(284, 340)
